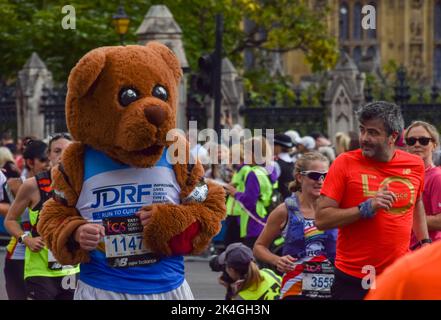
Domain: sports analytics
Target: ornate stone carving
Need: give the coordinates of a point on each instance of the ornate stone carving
(416, 67)
(416, 25)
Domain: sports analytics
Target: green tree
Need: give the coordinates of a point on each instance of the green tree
(34, 25)
(278, 26)
(282, 25)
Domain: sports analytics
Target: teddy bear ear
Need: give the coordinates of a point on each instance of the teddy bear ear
(86, 71)
(169, 56)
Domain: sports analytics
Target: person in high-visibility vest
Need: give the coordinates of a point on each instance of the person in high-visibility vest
(254, 191)
(248, 282)
(232, 222)
(45, 278)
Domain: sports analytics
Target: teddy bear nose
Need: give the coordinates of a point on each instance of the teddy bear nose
(155, 115)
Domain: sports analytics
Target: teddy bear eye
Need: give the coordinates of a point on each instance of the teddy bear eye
(127, 96)
(160, 92)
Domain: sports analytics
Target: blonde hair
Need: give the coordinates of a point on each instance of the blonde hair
(5, 156)
(433, 132)
(342, 141)
(253, 277)
(256, 144)
(302, 164)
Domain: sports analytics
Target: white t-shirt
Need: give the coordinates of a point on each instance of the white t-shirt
(2, 182)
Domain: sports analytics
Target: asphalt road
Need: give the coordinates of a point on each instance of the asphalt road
(201, 279)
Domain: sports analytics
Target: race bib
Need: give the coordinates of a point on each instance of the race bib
(123, 243)
(318, 278)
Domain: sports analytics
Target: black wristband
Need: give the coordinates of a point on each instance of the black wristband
(428, 240)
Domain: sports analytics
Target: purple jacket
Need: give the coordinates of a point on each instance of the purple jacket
(249, 199)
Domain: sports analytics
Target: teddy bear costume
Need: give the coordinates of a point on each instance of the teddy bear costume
(120, 105)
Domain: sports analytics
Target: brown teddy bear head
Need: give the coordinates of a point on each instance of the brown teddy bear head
(122, 101)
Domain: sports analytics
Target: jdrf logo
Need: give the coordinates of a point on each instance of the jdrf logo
(125, 193)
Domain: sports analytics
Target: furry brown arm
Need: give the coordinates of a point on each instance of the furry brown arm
(56, 224)
(186, 228)
(59, 218)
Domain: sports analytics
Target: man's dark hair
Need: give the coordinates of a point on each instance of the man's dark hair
(318, 134)
(58, 136)
(388, 112)
(35, 149)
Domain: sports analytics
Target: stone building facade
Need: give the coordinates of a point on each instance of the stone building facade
(407, 32)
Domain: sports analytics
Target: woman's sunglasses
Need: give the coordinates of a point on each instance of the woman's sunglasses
(424, 141)
(57, 136)
(314, 175)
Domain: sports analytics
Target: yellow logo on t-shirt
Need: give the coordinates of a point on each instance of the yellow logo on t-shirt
(402, 187)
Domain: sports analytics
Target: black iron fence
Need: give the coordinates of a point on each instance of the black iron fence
(304, 120)
(421, 103)
(8, 108)
(53, 107)
(304, 113)
(416, 102)
(301, 113)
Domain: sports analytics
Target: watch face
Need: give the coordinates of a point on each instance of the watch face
(199, 193)
(21, 238)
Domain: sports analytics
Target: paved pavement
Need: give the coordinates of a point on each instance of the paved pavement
(201, 279)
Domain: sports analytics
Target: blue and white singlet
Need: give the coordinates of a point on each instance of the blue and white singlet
(111, 195)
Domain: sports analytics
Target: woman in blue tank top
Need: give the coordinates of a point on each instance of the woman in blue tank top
(308, 253)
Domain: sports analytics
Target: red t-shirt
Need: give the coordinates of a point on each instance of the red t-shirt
(379, 241)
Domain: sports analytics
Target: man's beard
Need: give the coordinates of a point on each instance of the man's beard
(376, 151)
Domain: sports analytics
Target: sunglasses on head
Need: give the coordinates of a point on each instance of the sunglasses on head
(57, 136)
(424, 141)
(314, 175)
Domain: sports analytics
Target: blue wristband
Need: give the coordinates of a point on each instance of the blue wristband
(366, 209)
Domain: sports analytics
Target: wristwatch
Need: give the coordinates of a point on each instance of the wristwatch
(423, 241)
(23, 236)
(199, 193)
(420, 243)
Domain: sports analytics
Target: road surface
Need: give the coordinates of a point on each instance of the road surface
(201, 279)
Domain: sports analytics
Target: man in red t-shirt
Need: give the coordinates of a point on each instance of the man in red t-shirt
(373, 195)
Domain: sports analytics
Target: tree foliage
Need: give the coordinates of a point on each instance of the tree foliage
(282, 25)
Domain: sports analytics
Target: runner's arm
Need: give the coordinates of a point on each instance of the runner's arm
(276, 219)
(434, 206)
(434, 222)
(419, 221)
(21, 202)
(330, 216)
(5, 202)
(4, 207)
